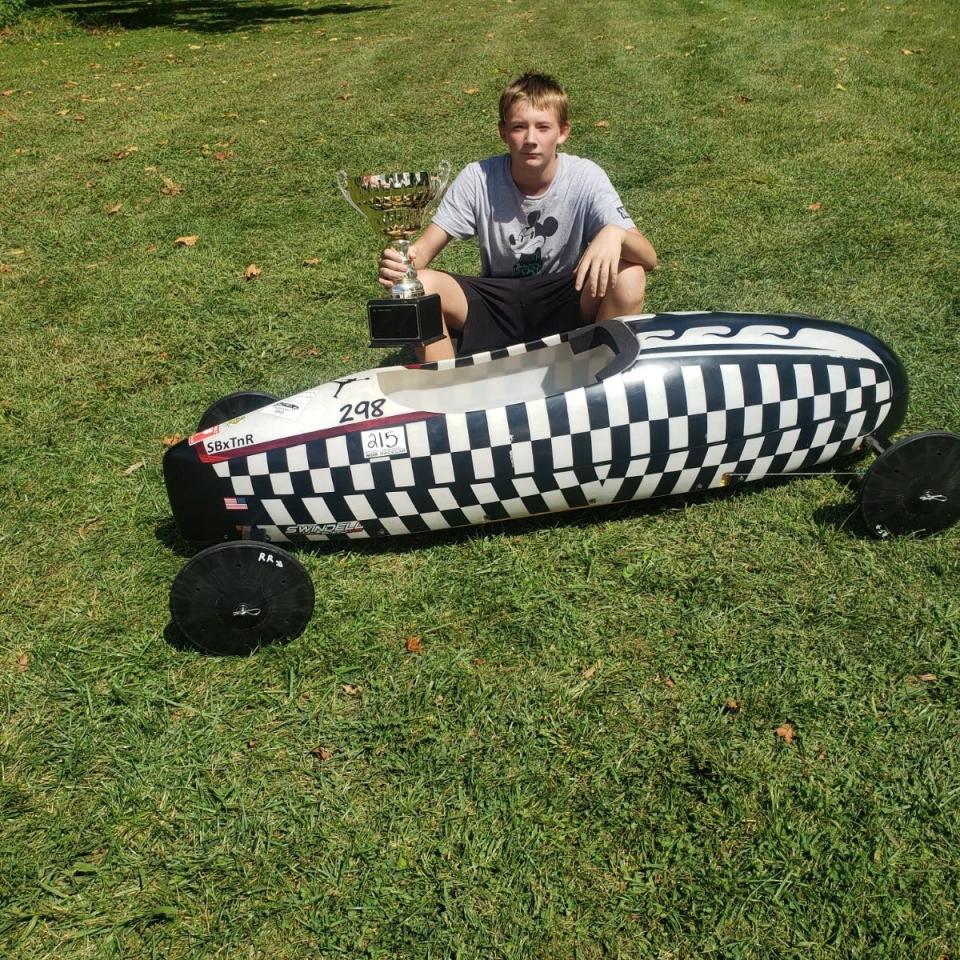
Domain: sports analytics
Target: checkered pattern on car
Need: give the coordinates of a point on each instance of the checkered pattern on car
(668, 425)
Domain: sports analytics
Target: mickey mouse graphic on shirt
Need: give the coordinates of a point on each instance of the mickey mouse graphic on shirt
(528, 244)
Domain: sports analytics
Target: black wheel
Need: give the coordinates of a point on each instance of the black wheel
(913, 486)
(234, 405)
(235, 597)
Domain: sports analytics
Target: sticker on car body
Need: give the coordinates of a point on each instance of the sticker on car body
(387, 442)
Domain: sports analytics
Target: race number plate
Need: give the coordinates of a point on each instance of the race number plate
(388, 442)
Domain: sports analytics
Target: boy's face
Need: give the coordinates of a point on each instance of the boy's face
(532, 136)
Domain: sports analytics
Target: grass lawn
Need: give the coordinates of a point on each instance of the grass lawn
(582, 762)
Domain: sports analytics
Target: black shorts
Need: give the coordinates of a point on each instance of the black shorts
(505, 310)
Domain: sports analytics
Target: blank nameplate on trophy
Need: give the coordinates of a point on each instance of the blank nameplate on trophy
(395, 323)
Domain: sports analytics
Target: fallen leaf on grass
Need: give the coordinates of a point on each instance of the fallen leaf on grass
(124, 153)
(927, 677)
(349, 689)
(472, 90)
(344, 96)
(222, 155)
(839, 86)
(172, 440)
(190, 241)
(23, 661)
(9, 93)
(602, 123)
(786, 733)
(170, 188)
(134, 467)
(590, 671)
(743, 99)
(321, 753)
(814, 207)
(732, 705)
(252, 272)
(413, 645)
(313, 352)
(116, 208)
(87, 526)
(910, 53)
(251, 744)
(312, 262)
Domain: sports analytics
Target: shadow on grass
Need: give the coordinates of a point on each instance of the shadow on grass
(198, 15)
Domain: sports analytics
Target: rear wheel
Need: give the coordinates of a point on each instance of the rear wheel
(234, 405)
(233, 598)
(913, 486)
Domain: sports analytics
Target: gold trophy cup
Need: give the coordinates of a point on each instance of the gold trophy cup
(396, 205)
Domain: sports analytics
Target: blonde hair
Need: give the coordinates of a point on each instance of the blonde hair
(542, 92)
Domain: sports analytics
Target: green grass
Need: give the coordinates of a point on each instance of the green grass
(556, 776)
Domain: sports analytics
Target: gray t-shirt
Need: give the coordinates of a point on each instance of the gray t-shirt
(521, 236)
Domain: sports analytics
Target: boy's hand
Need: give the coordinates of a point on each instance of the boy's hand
(392, 269)
(601, 261)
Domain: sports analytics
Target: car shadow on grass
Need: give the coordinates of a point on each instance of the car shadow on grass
(209, 16)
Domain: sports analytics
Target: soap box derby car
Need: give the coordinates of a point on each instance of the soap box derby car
(627, 409)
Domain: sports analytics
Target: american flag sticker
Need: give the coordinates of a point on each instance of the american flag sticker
(235, 503)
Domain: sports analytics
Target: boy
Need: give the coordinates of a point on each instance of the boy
(557, 247)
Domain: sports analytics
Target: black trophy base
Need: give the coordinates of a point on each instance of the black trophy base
(398, 323)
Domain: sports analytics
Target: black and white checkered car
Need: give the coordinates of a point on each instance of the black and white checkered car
(708, 398)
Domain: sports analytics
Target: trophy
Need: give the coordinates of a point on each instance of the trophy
(396, 204)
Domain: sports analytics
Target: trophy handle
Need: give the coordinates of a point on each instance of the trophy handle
(343, 183)
(439, 184)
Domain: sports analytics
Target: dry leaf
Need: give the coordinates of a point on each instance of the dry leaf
(413, 645)
(785, 732)
(172, 440)
(152, 248)
(814, 207)
(251, 744)
(602, 123)
(731, 704)
(743, 99)
(252, 272)
(124, 153)
(344, 96)
(170, 188)
(87, 526)
(116, 208)
(313, 352)
(927, 677)
(9, 93)
(312, 262)
(669, 682)
(590, 671)
(23, 661)
(839, 86)
(910, 53)
(321, 753)
(222, 155)
(349, 689)
(190, 241)
(134, 467)
(472, 90)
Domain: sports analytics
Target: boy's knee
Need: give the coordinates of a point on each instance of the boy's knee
(627, 296)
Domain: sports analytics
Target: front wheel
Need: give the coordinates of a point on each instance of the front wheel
(233, 598)
(913, 486)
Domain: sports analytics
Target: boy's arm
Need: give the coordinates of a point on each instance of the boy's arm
(600, 262)
(427, 246)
